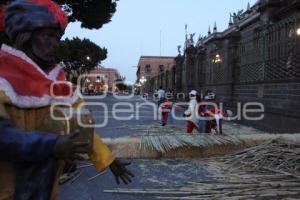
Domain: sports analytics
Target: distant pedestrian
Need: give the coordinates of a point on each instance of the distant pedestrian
(211, 117)
(202, 110)
(161, 95)
(164, 110)
(190, 113)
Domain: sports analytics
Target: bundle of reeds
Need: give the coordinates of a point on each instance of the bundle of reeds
(267, 171)
(274, 156)
(223, 189)
(166, 142)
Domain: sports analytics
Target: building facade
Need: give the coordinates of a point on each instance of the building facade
(103, 77)
(151, 67)
(257, 59)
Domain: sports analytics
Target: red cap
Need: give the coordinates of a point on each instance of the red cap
(59, 15)
(27, 15)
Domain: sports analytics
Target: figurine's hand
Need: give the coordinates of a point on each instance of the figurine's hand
(65, 147)
(119, 170)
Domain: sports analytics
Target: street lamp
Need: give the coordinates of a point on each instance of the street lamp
(98, 80)
(298, 31)
(217, 59)
(88, 58)
(88, 80)
(143, 80)
(294, 32)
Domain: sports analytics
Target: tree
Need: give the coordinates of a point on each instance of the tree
(121, 85)
(81, 54)
(91, 13)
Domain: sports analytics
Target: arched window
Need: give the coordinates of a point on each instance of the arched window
(161, 68)
(148, 68)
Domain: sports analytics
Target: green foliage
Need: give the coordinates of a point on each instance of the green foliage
(121, 85)
(81, 54)
(91, 13)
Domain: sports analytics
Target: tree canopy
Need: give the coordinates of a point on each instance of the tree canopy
(91, 13)
(81, 54)
(122, 86)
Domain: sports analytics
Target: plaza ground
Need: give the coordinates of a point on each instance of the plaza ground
(150, 174)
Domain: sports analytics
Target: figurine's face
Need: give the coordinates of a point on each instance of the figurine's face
(44, 43)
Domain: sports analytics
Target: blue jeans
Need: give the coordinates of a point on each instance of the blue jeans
(202, 126)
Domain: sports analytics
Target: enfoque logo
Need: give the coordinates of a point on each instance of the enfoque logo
(124, 110)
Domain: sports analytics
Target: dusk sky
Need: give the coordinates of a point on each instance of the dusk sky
(136, 26)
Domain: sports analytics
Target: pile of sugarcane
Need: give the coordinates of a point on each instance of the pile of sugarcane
(156, 128)
(267, 171)
(251, 187)
(166, 142)
(274, 156)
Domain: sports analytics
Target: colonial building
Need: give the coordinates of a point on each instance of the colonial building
(150, 67)
(103, 77)
(256, 59)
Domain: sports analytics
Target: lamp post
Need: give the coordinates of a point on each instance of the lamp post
(137, 87)
(143, 80)
(293, 40)
(217, 60)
